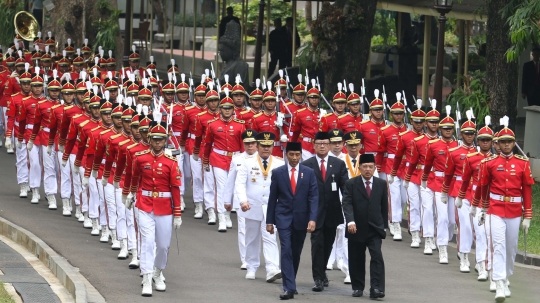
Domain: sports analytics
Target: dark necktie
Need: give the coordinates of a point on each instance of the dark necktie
(368, 188)
(354, 162)
(265, 164)
(323, 170)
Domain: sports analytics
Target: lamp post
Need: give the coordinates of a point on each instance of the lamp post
(443, 7)
(258, 44)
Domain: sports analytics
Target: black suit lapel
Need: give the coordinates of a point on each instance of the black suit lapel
(287, 178)
(362, 188)
(329, 167)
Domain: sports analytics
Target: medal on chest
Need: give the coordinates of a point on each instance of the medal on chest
(267, 170)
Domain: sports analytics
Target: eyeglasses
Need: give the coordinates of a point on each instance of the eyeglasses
(322, 143)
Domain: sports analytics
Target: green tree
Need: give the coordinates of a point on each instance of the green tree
(523, 17)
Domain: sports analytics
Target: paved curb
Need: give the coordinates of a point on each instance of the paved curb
(70, 277)
(532, 259)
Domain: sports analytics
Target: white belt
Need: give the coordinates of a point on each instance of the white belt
(176, 134)
(474, 187)
(224, 152)
(420, 166)
(458, 178)
(439, 174)
(16, 123)
(29, 126)
(307, 139)
(192, 136)
(46, 129)
(103, 162)
(504, 198)
(156, 194)
(391, 156)
(277, 143)
(370, 153)
(407, 164)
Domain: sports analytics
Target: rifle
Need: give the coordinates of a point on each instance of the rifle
(362, 97)
(191, 98)
(385, 104)
(456, 123)
(322, 95)
(289, 86)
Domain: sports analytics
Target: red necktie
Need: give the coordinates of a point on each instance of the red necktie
(368, 188)
(293, 181)
(323, 170)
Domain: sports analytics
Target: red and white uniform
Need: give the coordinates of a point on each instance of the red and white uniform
(291, 107)
(371, 132)
(13, 110)
(128, 170)
(304, 127)
(246, 116)
(349, 122)
(201, 123)
(329, 122)
(264, 122)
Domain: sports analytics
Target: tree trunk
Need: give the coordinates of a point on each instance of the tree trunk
(342, 38)
(501, 76)
(158, 12)
(309, 16)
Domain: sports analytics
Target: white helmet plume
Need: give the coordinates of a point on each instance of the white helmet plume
(145, 110)
(107, 95)
(339, 86)
(419, 103)
(487, 120)
(434, 103)
(139, 108)
(376, 93)
(257, 83)
(448, 110)
(398, 96)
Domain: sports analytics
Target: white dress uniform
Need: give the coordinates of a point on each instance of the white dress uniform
(230, 198)
(253, 187)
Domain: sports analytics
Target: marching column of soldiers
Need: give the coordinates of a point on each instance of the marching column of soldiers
(119, 148)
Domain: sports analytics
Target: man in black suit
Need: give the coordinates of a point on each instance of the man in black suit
(331, 175)
(530, 81)
(365, 205)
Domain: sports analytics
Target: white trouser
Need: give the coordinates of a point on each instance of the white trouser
(3, 120)
(85, 194)
(110, 200)
(255, 230)
(125, 222)
(155, 232)
(197, 175)
(489, 254)
(428, 222)
(102, 208)
(93, 199)
(34, 158)
(209, 189)
(382, 176)
(504, 240)
(21, 163)
(396, 200)
(464, 223)
(451, 217)
(180, 159)
(342, 250)
(50, 182)
(481, 240)
(306, 155)
(220, 177)
(77, 185)
(242, 238)
(186, 169)
(332, 259)
(65, 176)
(415, 219)
(442, 215)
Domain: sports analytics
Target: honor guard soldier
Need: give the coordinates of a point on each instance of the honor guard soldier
(371, 132)
(78, 65)
(86, 50)
(298, 103)
(416, 160)
(36, 57)
(403, 151)
(255, 103)
(111, 85)
(465, 196)
(134, 61)
(267, 121)
(306, 123)
(250, 150)
(188, 143)
(238, 95)
(14, 105)
(453, 174)
(437, 151)
(63, 63)
(40, 134)
(282, 84)
(111, 64)
(351, 121)
(151, 65)
(201, 124)
(505, 190)
(17, 65)
(26, 118)
(330, 121)
(46, 63)
(222, 140)
(252, 189)
(70, 50)
(157, 175)
(182, 93)
(388, 143)
(6, 70)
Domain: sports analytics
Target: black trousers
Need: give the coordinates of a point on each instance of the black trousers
(322, 240)
(274, 58)
(357, 263)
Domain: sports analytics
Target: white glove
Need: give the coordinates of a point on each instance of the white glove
(195, 157)
(284, 138)
(177, 222)
(30, 145)
(322, 113)
(116, 184)
(182, 149)
(279, 120)
(473, 210)
(423, 184)
(85, 182)
(168, 151)
(104, 181)
(61, 148)
(444, 197)
(76, 169)
(94, 173)
(206, 167)
(64, 163)
(49, 150)
(526, 224)
(458, 202)
(8, 143)
(406, 184)
(482, 218)
(124, 199)
(19, 145)
(390, 179)
(129, 201)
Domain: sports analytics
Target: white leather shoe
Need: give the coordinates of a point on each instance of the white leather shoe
(250, 275)
(443, 254)
(507, 292)
(198, 210)
(397, 231)
(134, 264)
(272, 276)
(390, 228)
(222, 225)
(463, 267)
(228, 221)
(211, 216)
(123, 250)
(114, 240)
(24, 190)
(499, 291)
(147, 285)
(52, 202)
(104, 234)
(95, 227)
(492, 285)
(415, 243)
(80, 218)
(87, 223)
(158, 281)
(482, 272)
(427, 246)
(243, 266)
(347, 280)
(66, 209)
(35, 196)
(329, 266)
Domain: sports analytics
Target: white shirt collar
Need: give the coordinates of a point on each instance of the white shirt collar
(370, 180)
(319, 159)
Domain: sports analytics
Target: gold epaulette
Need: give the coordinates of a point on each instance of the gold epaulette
(418, 138)
(124, 142)
(434, 140)
(239, 121)
(171, 157)
(142, 152)
(105, 131)
(133, 145)
(521, 157)
(288, 103)
(328, 115)
(68, 107)
(56, 106)
(245, 112)
(15, 94)
(386, 126)
(189, 107)
(213, 120)
(26, 98)
(200, 114)
(490, 158)
(76, 116)
(116, 136)
(93, 129)
(403, 133)
(344, 115)
(472, 154)
(84, 123)
(42, 101)
(453, 148)
(301, 110)
(257, 115)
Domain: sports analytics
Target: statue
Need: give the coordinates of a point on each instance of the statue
(229, 50)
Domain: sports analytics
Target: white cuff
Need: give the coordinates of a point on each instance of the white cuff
(351, 223)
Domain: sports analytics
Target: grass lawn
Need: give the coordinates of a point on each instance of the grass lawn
(4, 296)
(533, 237)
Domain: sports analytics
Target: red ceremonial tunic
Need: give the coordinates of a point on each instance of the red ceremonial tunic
(27, 116)
(101, 148)
(263, 122)
(436, 153)
(83, 140)
(247, 117)
(304, 127)
(454, 169)
(417, 158)
(329, 122)
(112, 150)
(70, 111)
(11, 87)
(292, 107)
(73, 134)
(349, 122)
(471, 169)
(201, 123)
(388, 145)
(222, 139)
(94, 139)
(128, 170)
(403, 148)
(371, 132)
(42, 121)
(188, 129)
(12, 112)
